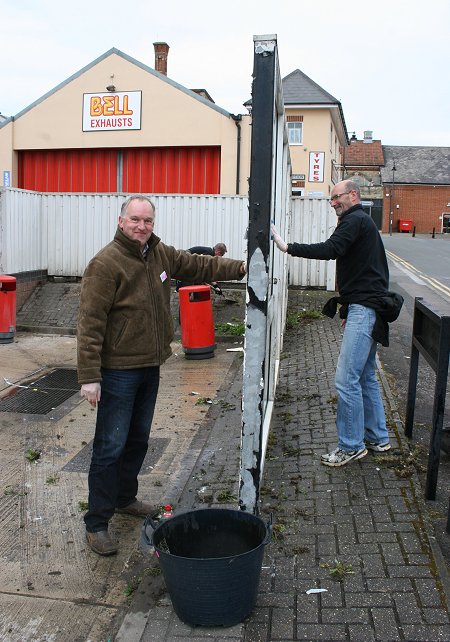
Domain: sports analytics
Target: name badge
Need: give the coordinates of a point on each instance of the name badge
(163, 276)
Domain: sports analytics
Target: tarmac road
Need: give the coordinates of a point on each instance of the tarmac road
(419, 267)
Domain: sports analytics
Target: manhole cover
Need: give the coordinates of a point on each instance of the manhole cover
(44, 394)
(82, 460)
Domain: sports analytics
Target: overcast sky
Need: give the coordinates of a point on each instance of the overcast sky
(387, 61)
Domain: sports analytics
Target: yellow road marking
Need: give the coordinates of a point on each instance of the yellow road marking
(432, 282)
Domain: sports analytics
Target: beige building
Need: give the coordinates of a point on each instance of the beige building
(118, 125)
(317, 135)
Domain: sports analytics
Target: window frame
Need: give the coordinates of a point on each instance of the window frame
(293, 126)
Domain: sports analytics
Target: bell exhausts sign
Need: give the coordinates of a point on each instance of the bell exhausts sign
(112, 111)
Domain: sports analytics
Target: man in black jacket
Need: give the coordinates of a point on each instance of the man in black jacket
(220, 249)
(362, 279)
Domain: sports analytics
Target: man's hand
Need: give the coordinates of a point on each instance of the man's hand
(281, 245)
(92, 392)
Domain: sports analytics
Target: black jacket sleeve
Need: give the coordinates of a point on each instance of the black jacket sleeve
(338, 244)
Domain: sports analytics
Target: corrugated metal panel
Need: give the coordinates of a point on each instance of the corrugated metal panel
(79, 225)
(62, 232)
(312, 221)
(184, 221)
(178, 170)
(22, 239)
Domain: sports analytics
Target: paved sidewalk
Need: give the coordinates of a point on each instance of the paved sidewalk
(367, 520)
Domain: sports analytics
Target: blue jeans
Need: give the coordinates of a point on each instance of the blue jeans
(124, 418)
(360, 411)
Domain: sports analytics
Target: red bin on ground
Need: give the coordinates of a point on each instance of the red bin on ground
(197, 324)
(7, 308)
(405, 225)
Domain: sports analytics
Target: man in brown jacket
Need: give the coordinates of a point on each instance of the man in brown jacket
(124, 334)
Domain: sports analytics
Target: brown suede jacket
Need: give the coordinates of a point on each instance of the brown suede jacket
(124, 319)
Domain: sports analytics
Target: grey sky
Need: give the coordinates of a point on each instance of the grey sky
(386, 61)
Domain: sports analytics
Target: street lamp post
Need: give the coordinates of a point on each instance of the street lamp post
(391, 212)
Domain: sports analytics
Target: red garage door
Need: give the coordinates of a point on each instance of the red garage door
(72, 170)
(177, 170)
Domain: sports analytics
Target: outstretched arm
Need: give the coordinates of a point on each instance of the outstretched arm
(281, 245)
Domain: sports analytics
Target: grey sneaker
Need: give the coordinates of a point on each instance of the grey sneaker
(378, 448)
(339, 457)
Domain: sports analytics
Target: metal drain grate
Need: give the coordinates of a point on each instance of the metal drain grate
(44, 394)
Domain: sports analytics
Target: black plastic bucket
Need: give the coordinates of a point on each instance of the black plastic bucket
(211, 561)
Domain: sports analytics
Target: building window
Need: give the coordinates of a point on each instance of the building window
(295, 133)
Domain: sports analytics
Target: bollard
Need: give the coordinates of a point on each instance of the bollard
(433, 236)
(414, 231)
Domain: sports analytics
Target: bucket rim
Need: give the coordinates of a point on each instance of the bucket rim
(265, 539)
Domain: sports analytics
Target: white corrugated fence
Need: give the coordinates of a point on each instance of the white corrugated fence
(60, 233)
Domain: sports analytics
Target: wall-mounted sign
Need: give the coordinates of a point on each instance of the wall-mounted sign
(316, 164)
(112, 111)
(6, 178)
(298, 177)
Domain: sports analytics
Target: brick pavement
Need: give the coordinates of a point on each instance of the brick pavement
(51, 308)
(367, 519)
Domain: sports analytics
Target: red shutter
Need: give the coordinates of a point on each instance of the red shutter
(158, 170)
(172, 170)
(73, 170)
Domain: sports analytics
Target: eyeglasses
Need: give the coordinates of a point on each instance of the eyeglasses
(336, 196)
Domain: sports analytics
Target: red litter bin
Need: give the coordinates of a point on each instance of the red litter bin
(405, 225)
(7, 308)
(197, 325)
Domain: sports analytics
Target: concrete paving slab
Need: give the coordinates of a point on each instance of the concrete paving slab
(52, 587)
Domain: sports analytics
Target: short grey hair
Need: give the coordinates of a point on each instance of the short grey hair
(352, 186)
(135, 197)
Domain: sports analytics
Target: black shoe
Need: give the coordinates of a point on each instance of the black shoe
(101, 543)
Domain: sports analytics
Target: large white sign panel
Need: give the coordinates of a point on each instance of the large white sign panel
(316, 165)
(112, 111)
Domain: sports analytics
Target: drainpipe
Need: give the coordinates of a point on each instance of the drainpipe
(237, 119)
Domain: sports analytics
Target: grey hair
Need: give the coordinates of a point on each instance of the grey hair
(352, 186)
(135, 197)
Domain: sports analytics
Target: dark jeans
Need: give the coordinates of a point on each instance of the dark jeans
(124, 418)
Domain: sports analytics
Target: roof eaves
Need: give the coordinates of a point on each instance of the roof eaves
(6, 121)
(133, 61)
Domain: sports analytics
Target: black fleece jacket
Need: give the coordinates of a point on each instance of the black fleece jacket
(361, 265)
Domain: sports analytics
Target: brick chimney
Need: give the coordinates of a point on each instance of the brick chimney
(161, 53)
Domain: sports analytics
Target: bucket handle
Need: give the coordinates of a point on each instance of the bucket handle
(154, 524)
(268, 537)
